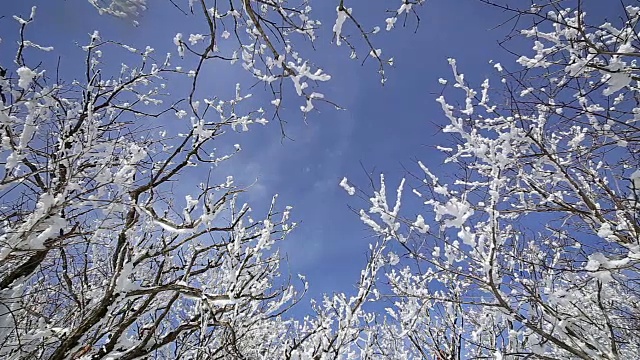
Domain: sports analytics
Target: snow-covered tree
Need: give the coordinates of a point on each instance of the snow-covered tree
(102, 253)
(527, 244)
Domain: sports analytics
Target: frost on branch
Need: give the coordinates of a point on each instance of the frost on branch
(348, 188)
(120, 8)
(345, 18)
(533, 249)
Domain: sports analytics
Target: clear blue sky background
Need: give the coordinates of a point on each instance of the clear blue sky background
(383, 128)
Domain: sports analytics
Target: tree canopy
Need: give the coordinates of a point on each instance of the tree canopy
(525, 242)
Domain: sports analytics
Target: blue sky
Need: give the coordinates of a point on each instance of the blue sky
(382, 128)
